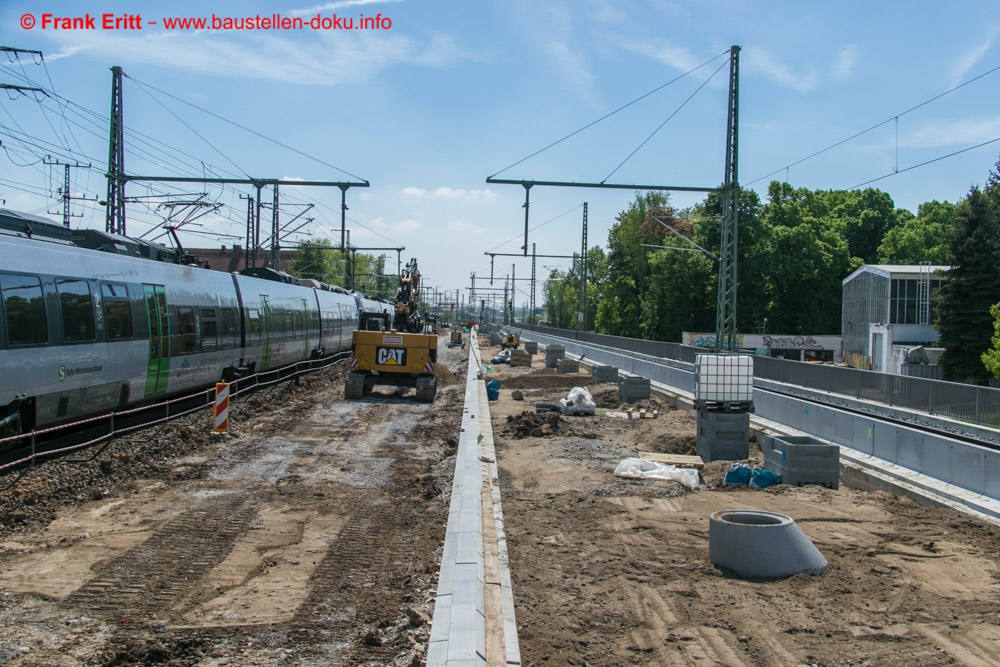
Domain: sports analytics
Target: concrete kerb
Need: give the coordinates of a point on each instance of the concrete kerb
(473, 621)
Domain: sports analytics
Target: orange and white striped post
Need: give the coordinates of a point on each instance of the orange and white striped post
(221, 410)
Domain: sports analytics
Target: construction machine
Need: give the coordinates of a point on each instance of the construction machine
(509, 341)
(456, 339)
(404, 356)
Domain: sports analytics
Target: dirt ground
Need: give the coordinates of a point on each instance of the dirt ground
(308, 535)
(615, 571)
(311, 535)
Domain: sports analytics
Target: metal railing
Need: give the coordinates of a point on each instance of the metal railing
(953, 400)
(29, 453)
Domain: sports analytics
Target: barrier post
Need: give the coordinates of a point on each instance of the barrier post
(221, 410)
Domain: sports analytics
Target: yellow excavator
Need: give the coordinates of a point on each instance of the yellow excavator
(404, 356)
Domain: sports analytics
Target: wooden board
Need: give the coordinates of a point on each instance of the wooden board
(679, 460)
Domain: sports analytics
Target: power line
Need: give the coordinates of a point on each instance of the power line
(676, 111)
(612, 113)
(923, 164)
(878, 125)
(251, 131)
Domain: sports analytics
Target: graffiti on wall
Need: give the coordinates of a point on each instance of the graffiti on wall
(791, 343)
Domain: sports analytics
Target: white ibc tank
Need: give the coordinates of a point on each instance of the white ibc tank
(723, 377)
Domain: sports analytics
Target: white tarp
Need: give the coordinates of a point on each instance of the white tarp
(642, 469)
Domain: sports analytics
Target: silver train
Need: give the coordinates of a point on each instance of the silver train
(84, 332)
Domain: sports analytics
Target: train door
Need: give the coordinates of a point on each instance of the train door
(307, 327)
(158, 367)
(266, 319)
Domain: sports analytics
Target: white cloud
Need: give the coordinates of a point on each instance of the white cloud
(970, 59)
(407, 226)
(763, 63)
(459, 226)
(964, 132)
(327, 59)
(843, 67)
(670, 56)
(329, 6)
(444, 192)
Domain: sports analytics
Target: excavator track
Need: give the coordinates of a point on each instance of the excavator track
(354, 386)
(426, 388)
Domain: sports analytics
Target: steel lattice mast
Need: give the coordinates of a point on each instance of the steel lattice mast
(725, 328)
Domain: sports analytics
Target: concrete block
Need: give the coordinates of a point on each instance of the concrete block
(723, 436)
(520, 358)
(568, 366)
(531, 347)
(803, 460)
(599, 374)
(632, 389)
(553, 353)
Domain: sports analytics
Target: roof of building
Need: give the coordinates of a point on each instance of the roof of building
(896, 270)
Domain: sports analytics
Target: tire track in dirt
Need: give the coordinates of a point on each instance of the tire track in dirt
(148, 579)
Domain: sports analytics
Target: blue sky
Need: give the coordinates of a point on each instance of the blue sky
(456, 91)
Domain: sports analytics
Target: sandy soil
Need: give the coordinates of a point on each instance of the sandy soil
(309, 535)
(614, 571)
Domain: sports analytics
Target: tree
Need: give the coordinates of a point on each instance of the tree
(923, 238)
(965, 300)
(316, 259)
(753, 295)
(619, 311)
(680, 295)
(991, 358)
(560, 295)
(809, 258)
(868, 215)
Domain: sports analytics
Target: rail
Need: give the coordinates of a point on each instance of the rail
(952, 400)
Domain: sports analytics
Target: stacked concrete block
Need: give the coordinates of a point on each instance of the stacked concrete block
(803, 460)
(632, 389)
(520, 358)
(723, 436)
(531, 347)
(601, 374)
(568, 366)
(553, 353)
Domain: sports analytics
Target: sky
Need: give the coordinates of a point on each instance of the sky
(432, 97)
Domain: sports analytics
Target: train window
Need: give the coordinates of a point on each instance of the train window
(209, 329)
(25, 310)
(77, 310)
(117, 311)
(185, 330)
(228, 328)
(253, 326)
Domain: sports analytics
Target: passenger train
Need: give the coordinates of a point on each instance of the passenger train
(83, 331)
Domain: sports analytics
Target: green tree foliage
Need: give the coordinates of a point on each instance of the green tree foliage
(561, 294)
(808, 259)
(991, 358)
(753, 296)
(316, 259)
(681, 293)
(925, 237)
(620, 309)
(868, 215)
(973, 283)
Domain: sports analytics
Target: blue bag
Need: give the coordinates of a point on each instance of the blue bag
(493, 390)
(762, 478)
(738, 473)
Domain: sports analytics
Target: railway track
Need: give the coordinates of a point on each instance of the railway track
(309, 533)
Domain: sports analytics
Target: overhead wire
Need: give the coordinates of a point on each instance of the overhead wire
(676, 111)
(923, 164)
(878, 125)
(611, 113)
